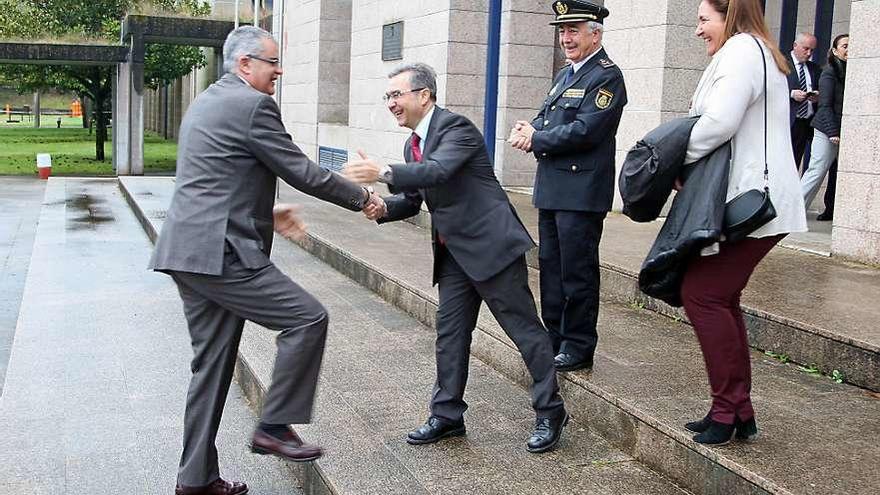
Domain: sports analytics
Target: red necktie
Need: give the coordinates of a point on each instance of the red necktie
(414, 144)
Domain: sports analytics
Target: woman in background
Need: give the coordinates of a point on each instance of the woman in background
(730, 102)
(826, 139)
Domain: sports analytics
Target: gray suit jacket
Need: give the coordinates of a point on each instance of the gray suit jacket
(467, 205)
(232, 148)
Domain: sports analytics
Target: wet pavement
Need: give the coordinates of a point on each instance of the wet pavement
(20, 200)
(98, 370)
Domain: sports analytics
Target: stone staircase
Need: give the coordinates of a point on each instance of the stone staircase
(818, 436)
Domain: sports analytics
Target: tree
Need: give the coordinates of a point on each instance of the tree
(97, 20)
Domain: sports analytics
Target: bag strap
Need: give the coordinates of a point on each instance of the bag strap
(766, 168)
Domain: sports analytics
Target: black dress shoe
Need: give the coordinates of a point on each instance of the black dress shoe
(825, 216)
(569, 362)
(547, 433)
(716, 434)
(435, 429)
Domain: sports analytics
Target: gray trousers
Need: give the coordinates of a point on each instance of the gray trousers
(216, 308)
(510, 300)
(822, 155)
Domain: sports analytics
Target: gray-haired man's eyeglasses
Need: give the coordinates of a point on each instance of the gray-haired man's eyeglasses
(394, 95)
(273, 61)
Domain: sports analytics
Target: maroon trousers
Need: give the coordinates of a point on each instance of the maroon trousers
(711, 291)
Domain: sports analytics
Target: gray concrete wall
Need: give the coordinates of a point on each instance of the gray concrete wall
(654, 45)
(856, 232)
(528, 63)
(299, 101)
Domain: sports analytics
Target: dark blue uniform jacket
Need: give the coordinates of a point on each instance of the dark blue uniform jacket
(574, 140)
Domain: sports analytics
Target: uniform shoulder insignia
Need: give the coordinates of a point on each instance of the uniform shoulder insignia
(606, 63)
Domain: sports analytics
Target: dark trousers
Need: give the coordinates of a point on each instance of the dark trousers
(831, 189)
(801, 137)
(510, 300)
(569, 258)
(711, 293)
(216, 308)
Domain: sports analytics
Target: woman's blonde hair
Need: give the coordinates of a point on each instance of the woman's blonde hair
(747, 16)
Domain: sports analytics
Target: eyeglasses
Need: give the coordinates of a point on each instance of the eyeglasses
(273, 61)
(394, 95)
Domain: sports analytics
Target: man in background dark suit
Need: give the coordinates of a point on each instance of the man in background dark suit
(573, 140)
(479, 252)
(803, 85)
(215, 243)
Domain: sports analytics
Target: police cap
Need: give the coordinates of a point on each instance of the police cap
(568, 11)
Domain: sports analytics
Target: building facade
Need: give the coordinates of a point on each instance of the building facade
(336, 55)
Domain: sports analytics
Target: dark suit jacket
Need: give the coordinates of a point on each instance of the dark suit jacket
(231, 150)
(794, 83)
(574, 140)
(468, 207)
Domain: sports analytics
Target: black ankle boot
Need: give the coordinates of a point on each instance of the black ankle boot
(699, 426)
(746, 430)
(716, 434)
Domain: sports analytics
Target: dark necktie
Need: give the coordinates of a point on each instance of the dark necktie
(414, 144)
(804, 108)
(569, 75)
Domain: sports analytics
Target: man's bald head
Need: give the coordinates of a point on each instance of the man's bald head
(803, 47)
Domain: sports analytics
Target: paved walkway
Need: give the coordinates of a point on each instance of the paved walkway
(99, 365)
(19, 211)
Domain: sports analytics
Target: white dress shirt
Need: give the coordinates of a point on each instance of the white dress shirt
(577, 66)
(729, 100)
(421, 130)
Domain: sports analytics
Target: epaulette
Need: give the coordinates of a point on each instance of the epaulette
(606, 63)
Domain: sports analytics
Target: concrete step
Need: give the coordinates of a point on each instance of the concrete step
(375, 384)
(649, 378)
(813, 310)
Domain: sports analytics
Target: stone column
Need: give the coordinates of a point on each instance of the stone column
(136, 112)
(856, 231)
(526, 71)
(654, 45)
(122, 120)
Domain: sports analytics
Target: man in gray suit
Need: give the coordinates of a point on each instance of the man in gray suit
(479, 251)
(215, 243)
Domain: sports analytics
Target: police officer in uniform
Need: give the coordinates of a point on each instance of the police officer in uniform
(573, 139)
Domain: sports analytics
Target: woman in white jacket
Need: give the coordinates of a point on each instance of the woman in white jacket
(730, 102)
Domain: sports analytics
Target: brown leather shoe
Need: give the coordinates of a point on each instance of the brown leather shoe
(290, 447)
(218, 487)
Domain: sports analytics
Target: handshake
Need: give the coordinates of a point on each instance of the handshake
(366, 171)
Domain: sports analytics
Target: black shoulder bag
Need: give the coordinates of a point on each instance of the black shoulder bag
(751, 209)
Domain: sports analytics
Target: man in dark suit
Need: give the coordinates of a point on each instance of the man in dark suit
(215, 244)
(479, 251)
(573, 139)
(803, 83)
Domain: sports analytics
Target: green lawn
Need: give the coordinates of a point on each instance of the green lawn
(72, 150)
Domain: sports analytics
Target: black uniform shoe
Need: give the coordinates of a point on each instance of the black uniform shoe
(825, 216)
(716, 434)
(435, 429)
(569, 362)
(547, 433)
